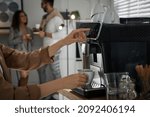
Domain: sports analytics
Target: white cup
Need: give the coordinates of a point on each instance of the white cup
(89, 73)
(37, 26)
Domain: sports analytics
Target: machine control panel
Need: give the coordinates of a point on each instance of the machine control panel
(95, 28)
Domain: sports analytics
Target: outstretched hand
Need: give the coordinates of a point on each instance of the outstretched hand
(77, 35)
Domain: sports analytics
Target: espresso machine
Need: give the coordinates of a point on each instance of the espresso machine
(92, 59)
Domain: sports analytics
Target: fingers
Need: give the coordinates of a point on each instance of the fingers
(41, 34)
(83, 77)
(80, 34)
(77, 35)
(82, 30)
(80, 37)
(82, 80)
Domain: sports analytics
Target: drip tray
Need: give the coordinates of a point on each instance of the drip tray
(91, 92)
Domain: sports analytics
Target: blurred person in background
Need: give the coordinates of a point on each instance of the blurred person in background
(21, 38)
(52, 29)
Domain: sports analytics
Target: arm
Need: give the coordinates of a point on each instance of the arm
(42, 57)
(58, 32)
(8, 91)
(54, 31)
(37, 58)
(71, 81)
(25, 61)
(75, 36)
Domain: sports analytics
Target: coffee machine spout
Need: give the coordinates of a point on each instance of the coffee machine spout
(86, 54)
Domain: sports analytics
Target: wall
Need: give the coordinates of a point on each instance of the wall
(34, 11)
(83, 6)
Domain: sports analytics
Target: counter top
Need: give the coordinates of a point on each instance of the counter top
(74, 96)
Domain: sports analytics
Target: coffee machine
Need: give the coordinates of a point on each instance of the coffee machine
(92, 59)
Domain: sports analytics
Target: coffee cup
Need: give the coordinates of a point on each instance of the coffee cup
(89, 73)
(37, 26)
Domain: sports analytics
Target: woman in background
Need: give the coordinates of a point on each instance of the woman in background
(21, 38)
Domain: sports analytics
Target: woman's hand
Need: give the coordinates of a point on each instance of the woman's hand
(68, 82)
(26, 37)
(75, 80)
(77, 35)
(42, 34)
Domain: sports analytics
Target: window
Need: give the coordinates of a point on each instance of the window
(132, 8)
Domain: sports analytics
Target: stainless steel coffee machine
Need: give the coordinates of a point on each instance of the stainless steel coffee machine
(92, 59)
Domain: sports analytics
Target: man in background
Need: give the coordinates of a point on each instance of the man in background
(52, 29)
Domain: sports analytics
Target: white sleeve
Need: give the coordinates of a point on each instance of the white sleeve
(59, 33)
